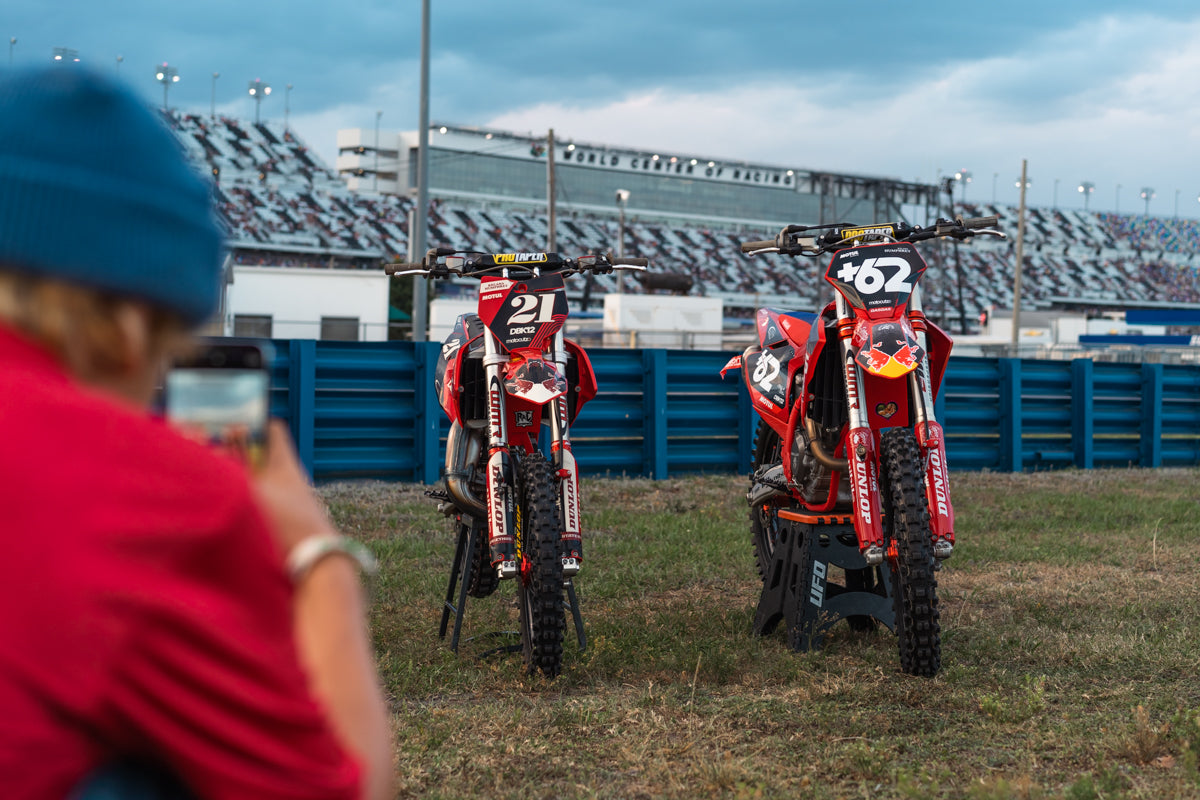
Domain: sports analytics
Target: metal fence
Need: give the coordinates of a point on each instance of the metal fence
(367, 410)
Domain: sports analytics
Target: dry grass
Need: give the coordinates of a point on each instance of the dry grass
(1070, 655)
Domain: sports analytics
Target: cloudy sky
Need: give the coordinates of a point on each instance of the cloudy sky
(1106, 91)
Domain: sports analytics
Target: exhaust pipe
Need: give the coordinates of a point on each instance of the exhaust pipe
(462, 453)
(814, 446)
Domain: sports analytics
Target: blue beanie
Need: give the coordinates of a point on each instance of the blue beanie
(95, 190)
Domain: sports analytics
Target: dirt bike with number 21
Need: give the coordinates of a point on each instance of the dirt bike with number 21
(846, 401)
(503, 375)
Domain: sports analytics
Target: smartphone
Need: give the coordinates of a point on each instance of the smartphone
(223, 388)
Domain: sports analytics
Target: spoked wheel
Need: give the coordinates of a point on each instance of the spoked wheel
(482, 579)
(764, 519)
(540, 582)
(914, 584)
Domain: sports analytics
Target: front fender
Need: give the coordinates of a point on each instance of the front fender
(534, 379)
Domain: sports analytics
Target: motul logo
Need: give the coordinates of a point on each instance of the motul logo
(939, 482)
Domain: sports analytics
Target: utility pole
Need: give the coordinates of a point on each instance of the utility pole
(550, 194)
(1016, 313)
(421, 289)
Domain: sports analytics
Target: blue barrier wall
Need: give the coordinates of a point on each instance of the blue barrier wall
(367, 410)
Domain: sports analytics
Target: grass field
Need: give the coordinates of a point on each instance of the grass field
(1070, 644)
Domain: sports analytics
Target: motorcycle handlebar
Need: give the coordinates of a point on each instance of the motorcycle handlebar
(981, 222)
(392, 269)
(750, 247)
(630, 262)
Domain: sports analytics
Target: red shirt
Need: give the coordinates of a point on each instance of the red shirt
(143, 605)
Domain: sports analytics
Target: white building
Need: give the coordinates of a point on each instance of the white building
(306, 303)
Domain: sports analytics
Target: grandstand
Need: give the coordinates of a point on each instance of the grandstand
(285, 207)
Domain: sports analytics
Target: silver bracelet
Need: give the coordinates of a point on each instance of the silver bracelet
(307, 553)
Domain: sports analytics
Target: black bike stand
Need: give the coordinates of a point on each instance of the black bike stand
(800, 586)
(464, 553)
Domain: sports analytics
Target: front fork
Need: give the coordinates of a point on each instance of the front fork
(501, 488)
(564, 466)
(933, 444)
(862, 460)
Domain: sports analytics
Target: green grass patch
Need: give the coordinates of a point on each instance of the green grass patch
(1070, 658)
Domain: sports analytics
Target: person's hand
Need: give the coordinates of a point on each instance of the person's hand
(284, 493)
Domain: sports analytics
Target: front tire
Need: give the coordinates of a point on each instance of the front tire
(906, 520)
(764, 519)
(540, 580)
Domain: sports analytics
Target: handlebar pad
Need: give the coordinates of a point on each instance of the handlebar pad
(631, 262)
(981, 222)
(392, 269)
(749, 247)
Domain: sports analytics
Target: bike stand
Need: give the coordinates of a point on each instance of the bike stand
(464, 552)
(798, 588)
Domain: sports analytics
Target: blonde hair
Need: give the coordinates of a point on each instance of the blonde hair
(78, 325)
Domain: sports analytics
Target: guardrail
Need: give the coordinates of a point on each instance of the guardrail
(367, 410)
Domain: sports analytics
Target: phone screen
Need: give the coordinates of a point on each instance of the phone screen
(224, 392)
(218, 399)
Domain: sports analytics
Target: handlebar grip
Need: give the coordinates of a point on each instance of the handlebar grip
(392, 269)
(981, 222)
(631, 262)
(750, 247)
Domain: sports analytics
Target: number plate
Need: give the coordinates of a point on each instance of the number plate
(876, 277)
(523, 313)
(768, 373)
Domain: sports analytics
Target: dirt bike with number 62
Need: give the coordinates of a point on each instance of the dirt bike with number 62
(846, 400)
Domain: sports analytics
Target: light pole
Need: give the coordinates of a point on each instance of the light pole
(165, 74)
(1117, 209)
(1147, 194)
(1055, 206)
(258, 90)
(63, 55)
(212, 108)
(1028, 181)
(12, 42)
(417, 243)
(378, 114)
(963, 176)
(120, 58)
(287, 106)
(1177, 204)
(1086, 188)
(995, 176)
(622, 200)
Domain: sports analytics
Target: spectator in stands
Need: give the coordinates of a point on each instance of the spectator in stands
(160, 602)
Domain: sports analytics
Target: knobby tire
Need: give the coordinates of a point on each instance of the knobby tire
(764, 520)
(914, 582)
(540, 583)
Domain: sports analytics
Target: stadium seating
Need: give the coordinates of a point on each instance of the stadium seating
(284, 206)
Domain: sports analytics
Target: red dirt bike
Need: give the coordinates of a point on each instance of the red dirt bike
(504, 374)
(846, 400)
